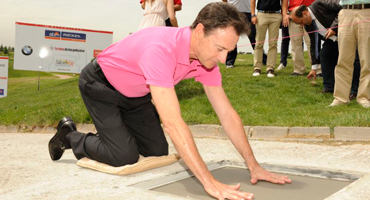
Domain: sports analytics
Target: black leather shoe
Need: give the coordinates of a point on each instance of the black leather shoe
(325, 90)
(59, 142)
(352, 96)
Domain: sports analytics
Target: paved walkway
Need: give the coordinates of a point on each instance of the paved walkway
(27, 171)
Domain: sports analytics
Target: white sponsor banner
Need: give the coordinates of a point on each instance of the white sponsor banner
(57, 49)
(4, 62)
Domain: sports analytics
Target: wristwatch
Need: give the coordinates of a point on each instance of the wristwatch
(254, 15)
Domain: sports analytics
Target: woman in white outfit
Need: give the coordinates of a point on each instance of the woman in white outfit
(156, 12)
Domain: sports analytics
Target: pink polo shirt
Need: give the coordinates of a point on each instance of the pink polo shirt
(153, 56)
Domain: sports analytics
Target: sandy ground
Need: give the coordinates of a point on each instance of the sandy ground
(27, 171)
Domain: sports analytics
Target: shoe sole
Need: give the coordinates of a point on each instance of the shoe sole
(55, 137)
(51, 142)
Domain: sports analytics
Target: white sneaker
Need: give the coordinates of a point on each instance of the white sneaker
(281, 66)
(256, 72)
(229, 66)
(270, 73)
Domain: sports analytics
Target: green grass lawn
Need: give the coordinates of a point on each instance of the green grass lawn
(261, 101)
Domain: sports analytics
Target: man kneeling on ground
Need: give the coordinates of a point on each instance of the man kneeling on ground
(130, 87)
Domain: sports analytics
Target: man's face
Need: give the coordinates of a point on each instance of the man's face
(304, 20)
(214, 47)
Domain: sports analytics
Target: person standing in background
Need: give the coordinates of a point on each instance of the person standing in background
(298, 33)
(244, 6)
(284, 49)
(268, 18)
(321, 20)
(177, 7)
(355, 13)
(155, 13)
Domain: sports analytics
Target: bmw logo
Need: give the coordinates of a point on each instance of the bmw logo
(27, 50)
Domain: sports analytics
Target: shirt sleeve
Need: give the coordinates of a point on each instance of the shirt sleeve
(177, 2)
(158, 66)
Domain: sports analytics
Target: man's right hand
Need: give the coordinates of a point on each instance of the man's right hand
(312, 74)
(254, 20)
(222, 191)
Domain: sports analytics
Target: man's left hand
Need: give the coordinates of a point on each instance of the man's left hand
(258, 173)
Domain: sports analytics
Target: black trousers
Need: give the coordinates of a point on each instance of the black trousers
(231, 56)
(356, 74)
(329, 57)
(284, 51)
(126, 127)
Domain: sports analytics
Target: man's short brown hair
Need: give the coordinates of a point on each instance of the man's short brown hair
(221, 15)
(299, 11)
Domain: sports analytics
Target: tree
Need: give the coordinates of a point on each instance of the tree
(1, 48)
(6, 50)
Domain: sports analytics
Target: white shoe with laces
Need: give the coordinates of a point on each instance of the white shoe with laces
(270, 73)
(229, 66)
(256, 72)
(281, 66)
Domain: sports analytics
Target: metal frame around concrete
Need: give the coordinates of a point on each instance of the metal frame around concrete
(301, 171)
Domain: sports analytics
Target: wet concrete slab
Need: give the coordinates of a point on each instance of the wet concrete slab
(302, 187)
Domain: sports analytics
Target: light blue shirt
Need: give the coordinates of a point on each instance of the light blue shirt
(353, 2)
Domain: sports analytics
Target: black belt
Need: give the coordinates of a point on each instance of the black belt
(100, 73)
(357, 6)
(269, 11)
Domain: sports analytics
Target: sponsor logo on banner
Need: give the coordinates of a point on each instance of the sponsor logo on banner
(3, 78)
(1, 92)
(96, 52)
(67, 49)
(52, 35)
(27, 50)
(2, 65)
(64, 63)
(76, 37)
